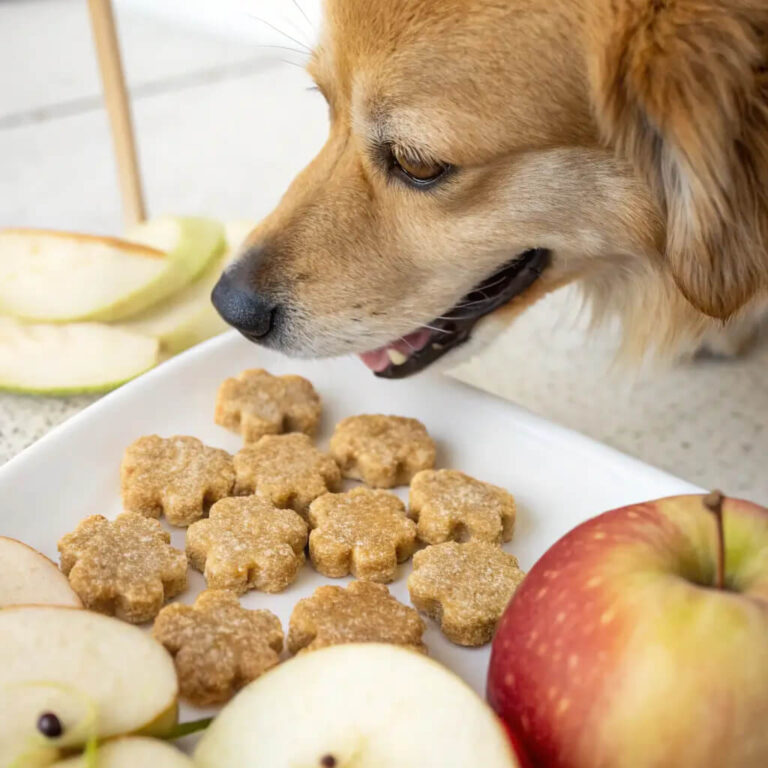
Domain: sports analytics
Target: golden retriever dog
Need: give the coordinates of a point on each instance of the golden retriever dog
(485, 152)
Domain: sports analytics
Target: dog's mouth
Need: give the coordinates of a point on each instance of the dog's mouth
(415, 351)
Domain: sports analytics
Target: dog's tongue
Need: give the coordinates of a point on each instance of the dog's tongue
(379, 359)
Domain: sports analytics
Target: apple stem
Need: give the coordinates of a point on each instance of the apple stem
(185, 729)
(713, 501)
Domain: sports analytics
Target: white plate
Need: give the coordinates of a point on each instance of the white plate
(558, 477)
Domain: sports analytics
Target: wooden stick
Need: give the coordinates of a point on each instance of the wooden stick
(118, 109)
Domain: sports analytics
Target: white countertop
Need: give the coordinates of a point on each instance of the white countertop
(223, 125)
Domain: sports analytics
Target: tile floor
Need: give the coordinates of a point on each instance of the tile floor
(223, 124)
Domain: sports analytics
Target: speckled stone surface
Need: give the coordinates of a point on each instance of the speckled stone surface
(26, 419)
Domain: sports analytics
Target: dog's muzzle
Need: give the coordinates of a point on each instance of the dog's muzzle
(455, 327)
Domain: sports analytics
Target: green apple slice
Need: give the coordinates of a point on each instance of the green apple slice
(65, 277)
(356, 706)
(190, 244)
(61, 276)
(68, 359)
(99, 676)
(185, 319)
(28, 577)
(131, 752)
(189, 317)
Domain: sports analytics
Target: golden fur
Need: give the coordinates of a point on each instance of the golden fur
(628, 137)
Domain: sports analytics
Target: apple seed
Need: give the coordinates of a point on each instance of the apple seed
(49, 725)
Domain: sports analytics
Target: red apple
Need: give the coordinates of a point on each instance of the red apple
(619, 649)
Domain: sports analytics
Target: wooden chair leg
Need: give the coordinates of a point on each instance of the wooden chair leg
(118, 109)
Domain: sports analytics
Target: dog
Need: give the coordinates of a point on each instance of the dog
(483, 153)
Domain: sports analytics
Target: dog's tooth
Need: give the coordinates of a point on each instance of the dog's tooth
(397, 357)
(437, 346)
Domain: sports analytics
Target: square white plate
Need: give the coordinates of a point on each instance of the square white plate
(558, 477)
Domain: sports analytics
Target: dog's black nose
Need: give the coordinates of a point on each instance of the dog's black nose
(242, 307)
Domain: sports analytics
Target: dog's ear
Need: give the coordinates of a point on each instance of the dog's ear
(680, 89)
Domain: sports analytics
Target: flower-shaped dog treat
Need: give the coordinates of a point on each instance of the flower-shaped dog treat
(286, 469)
(464, 587)
(218, 645)
(256, 403)
(382, 451)
(362, 532)
(178, 477)
(362, 613)
(449, 505)
(125, 568)
(247, 543)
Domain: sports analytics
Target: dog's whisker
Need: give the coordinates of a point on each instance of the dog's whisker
(418, 324)
(448, 320)
(432, 327)
(297, 51)
(304, 14)
(490, 285)
(293, 64)
(281, 32)
(485, 287)
(474, 303)
(336, 335)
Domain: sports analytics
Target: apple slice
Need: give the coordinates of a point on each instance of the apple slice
(361, 706)
(28, 577)
(67, 359)
(59, 276)
(190, 244)
(189, 317)
(97, 676)
(64, 277)
(184, 319)
(131, 752)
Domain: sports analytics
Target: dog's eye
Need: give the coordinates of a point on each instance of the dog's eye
(419, 172)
